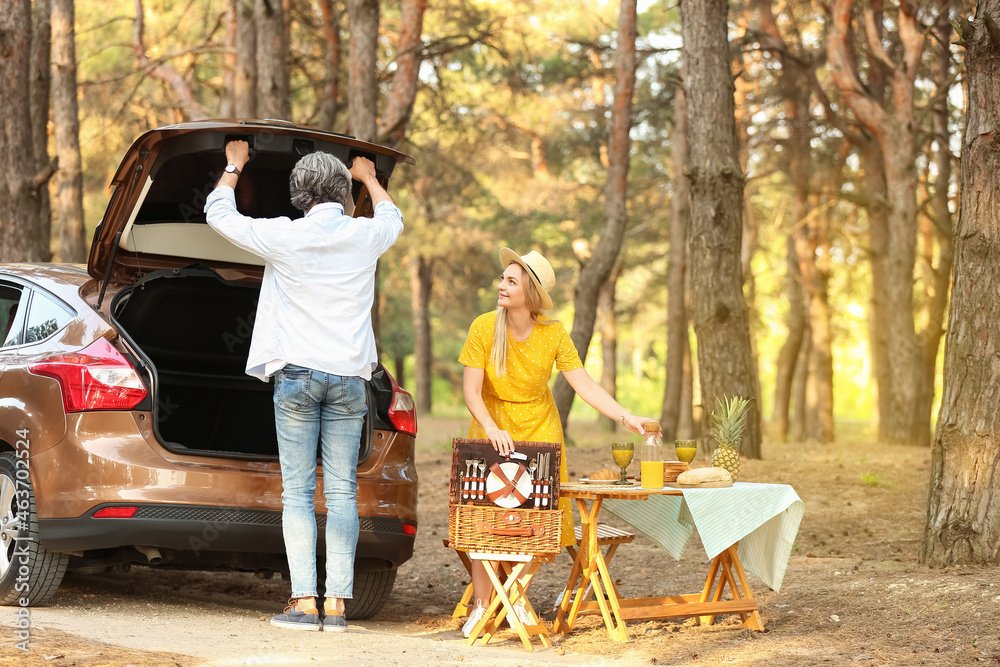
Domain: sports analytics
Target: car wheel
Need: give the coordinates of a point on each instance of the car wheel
(371, 591)
(28, 571)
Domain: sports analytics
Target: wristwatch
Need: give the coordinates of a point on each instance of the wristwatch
(232, 169)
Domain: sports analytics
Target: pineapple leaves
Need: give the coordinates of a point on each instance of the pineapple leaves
(730, 420)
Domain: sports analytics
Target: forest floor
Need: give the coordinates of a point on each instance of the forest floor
(854, 592)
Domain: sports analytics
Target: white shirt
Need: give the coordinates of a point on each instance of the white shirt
(318, 287)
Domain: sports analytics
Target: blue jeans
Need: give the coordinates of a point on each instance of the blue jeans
(309, 407)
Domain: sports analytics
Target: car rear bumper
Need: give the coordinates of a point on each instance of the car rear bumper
(200, 529)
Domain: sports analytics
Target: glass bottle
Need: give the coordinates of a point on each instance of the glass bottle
(652, 456)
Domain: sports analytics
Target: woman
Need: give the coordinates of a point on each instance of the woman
(508, 360)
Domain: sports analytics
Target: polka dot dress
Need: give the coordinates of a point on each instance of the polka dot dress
(520, 401)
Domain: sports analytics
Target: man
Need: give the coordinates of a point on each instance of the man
(313, 332)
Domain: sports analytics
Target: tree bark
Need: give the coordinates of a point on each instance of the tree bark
(963, 516)
(725, 358)
(362, 93)
(677, 316)
(895, 131)
(421, 277)
(244, 91)
(273, 98)
(607, 326)
(41, 81)
(66, 120)
(330, 105)
(409, 54)
(597, 270)
(19, 200)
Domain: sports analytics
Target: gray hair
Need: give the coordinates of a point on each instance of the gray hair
(319, 178)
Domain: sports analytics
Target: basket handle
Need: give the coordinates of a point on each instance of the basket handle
(527, 531)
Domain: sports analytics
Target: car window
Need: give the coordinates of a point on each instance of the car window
(45, 317)
(11, 317)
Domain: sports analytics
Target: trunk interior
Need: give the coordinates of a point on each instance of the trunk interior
(195, 331)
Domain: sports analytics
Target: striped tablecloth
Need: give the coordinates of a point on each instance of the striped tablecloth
(763, 518)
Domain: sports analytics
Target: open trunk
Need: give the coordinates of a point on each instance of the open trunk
(193, 330)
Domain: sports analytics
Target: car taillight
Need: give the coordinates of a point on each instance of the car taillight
(116, 513)
(97, 377)
(403, 411)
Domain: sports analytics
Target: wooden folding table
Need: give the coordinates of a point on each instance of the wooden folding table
(589, 577)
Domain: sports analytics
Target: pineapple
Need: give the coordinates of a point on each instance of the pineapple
(730, 420)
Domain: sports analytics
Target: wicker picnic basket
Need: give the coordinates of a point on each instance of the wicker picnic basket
(478, 525)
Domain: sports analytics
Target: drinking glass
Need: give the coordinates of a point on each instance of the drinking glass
(686, 450)
(623, 453)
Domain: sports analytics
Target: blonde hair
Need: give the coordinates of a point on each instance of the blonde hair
(533, 300)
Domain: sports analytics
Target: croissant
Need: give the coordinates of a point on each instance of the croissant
(605, 473)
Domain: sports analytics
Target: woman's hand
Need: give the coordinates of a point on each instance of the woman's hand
(501, 441)
(634, 422)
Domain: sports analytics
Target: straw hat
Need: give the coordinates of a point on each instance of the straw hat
(537, 267)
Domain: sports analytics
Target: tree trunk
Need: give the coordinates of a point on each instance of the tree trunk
(607, 326)
(598, 269)
(800, 413)
(330, 105)
(362, 102)
(421, 277)
(895, 130)
(273, 99)
(938, 277)
(725, 358)
(789, 354)
(409, 54)
(65, 117)
(19, 200)
(244, 91)
(677, 317)
(230, 61)
(362, 92)
(810, 246)
(40, 78)
(963, 515)
(687, 425)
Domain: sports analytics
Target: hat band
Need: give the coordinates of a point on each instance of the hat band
(539, 280)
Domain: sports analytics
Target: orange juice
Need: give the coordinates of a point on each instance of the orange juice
(652, 474)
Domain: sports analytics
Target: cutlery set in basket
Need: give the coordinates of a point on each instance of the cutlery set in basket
(504, 504)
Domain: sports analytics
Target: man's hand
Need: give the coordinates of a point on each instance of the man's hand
(363, 170)
(238, 153)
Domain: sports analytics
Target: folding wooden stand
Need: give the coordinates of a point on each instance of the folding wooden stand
(607, 536)
(517, 572)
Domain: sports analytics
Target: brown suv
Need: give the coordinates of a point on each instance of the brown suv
(129, 432)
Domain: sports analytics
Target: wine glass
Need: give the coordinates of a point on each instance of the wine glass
(686, 450)
(623, 453)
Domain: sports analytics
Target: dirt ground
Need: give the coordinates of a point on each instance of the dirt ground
(854, 592)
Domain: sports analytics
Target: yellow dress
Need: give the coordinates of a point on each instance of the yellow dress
(520, 401)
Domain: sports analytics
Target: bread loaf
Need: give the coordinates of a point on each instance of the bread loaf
(699, 475)
(605, 473)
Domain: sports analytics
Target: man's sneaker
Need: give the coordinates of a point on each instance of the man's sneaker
(474, 617)
(298, 616)
(333, 620)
